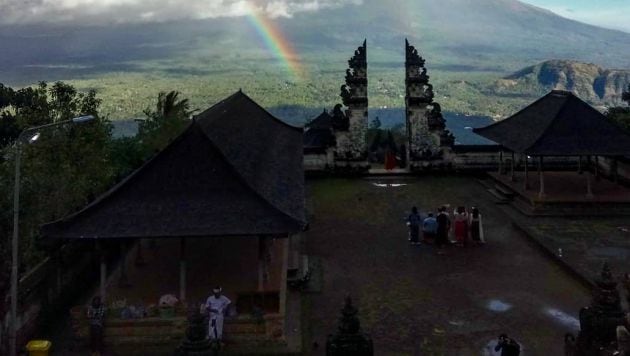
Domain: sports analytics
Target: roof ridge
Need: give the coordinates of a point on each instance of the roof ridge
(502, 122)
(245, 182)
(135, 174)
(297, 128)
(571, 96)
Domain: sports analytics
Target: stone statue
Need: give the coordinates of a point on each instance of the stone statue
(603, 325)
(623, 340)
(360, 57)
(349, 340)
(340, 121)
(411, 55)
(196, 342)
(346, 94)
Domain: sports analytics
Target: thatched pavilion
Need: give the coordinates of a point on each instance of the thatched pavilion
(559, 125)
(229, 191)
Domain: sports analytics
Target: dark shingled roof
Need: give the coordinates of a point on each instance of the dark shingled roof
(319, 134)
(236, 170)
(559, 124)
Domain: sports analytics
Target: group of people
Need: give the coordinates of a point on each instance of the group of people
(465, 227)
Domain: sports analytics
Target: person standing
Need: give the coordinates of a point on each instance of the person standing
(507, 346)
(96, 316)
(476, 227)
(216, 306)
(461, 226)
(443, 226)
(413, 221)
(429, 228)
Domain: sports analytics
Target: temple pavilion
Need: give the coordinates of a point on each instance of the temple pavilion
(561, 128)
(217, 207)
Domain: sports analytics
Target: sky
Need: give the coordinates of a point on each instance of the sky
(606, 13)
(613, 14)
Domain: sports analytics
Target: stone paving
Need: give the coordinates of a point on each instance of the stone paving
(415, 302)
(581, 244)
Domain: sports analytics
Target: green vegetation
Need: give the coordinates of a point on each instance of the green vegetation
(621, 115)
(62, 171)
(127, 94)
(68, 166)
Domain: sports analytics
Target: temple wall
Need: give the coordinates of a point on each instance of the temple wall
(318, 161)
(475, 160)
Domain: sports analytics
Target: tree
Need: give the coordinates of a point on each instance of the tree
(620, 114)
(63, 170)
(163, 124)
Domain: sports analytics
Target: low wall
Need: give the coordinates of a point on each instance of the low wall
(623, 168)
(481, 157)
(155, 331)
(316, 162)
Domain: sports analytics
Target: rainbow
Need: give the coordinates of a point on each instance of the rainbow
(275, 41)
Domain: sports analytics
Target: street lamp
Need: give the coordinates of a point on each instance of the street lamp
(29, 135)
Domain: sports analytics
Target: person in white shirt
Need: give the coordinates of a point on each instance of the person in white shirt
(216, 306)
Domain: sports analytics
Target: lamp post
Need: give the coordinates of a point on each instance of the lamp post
(34, 133)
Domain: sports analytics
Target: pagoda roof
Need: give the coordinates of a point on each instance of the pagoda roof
(236, 170)
(319, 133)
(559, 124)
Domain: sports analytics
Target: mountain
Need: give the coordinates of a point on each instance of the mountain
(468, 44)
(472, 32)
(590, 82)
(482, 34)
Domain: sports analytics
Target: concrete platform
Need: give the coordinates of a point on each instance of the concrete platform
(565, 194)
(414, 301)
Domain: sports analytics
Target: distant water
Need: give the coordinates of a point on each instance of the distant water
(460, 125)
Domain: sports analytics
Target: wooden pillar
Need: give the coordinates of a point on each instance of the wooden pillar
(139, 255)
(541, 175)
(103, 270)
(614, 169)
(59, 270)
(512, 177)
(182, 269)
(261, 264)
(526, 179)
(501, 162)
(589, 188)
(283, 274)
(597, 168)
(123, 281)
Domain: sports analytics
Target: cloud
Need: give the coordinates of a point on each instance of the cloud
(122, 11)
(616, 18)
(608, 17)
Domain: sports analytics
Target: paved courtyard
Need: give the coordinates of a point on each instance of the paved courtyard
(415, 302)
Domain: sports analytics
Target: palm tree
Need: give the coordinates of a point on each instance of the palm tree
(165, 123)
(168, 106)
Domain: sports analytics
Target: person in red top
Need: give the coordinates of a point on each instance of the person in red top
(390, 160)
(461, 226)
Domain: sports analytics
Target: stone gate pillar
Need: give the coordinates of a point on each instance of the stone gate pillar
(350, 120)
(430, 143)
